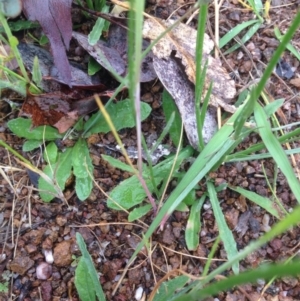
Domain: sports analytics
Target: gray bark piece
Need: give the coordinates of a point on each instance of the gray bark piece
(177, 84)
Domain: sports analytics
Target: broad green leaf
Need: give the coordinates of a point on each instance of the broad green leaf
(121, 114)
(17, 86)
(90, 268)
(273, 106)
(130, 192)
(190, 198)
(83, 282)
(235, 31)
(263, 202)
(193, 225)
(81, 159)
(275, 149)
(169, 108)
(96, 32)
(83, 187)
(117, 163)
(30, 145)
(51, 153)
(138, 212)
(59, 173)
(225, 233)
(93, 66)
(182, 207)
(168, 289)
(22, 127)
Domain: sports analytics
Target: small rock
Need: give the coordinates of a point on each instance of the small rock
(138, 293)
(168, 236)
(276, 244)
(62, 254)
(295, 82)
(235, 15)
(245, 67)
(43, 271)
(30, 248)
(21, 264)
(46, 290)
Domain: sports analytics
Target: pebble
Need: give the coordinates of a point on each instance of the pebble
(62, 254)
(21, 264)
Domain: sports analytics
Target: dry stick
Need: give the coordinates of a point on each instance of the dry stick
(217, 38)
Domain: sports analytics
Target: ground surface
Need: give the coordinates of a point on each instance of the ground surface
(29, 226)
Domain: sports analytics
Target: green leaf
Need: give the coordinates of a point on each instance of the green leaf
(267, 271)
(289, 46)
(169, 288)
(251, 31)
(193, 225)
(121, 114)
(20, 25)
(96, 32)
(136, 213)
(22, 127)
(36, 72)
(276, 150)
(59, 173)
(169, 108)
(30, 145)
(51, 153)
(225, 233)
(83, 187)
(16, 85)
(118, 164)
(93, 66)
(81, 159)
(83, 282)
(273, 106)
(90, 269)
(130, 192)
(235, 31)
(257, 199)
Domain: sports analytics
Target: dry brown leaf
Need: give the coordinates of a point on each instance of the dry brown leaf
(182, 41)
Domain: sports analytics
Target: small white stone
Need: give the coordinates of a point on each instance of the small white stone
(139, 293)
(48, 256)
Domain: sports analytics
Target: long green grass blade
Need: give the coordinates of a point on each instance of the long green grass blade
(225, 233)
(276, 150)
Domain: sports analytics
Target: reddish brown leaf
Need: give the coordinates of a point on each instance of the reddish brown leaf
(48, 109)
(55, 18)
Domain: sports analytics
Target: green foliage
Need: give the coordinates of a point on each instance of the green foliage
(121, 115)
(86, 278)
(130, 193)
(23, 128)
(194, 225)
(74, 159)
(170, 108)
(96, 32)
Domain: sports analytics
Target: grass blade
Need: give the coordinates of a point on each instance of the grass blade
(276, 150)
(225, 233)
